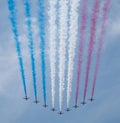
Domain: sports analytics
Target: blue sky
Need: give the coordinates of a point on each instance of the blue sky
(13, 109)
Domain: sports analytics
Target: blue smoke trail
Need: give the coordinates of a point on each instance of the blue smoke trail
(30, 38)
(42, 44)
(12, 10)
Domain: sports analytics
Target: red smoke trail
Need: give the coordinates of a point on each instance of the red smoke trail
(91, 43)
(82, 29)
(104, 19)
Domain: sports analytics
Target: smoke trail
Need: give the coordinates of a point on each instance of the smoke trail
(63, 14)
(80, 52)
(30, 38)
(91, 43)
(52, 40)
(73, 31)
(12, 10)
(104, 19)
(41, 20)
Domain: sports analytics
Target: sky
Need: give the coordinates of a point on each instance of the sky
(13, 109)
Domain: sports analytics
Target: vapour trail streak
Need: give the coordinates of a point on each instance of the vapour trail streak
(12, 10)
(63, 14)
(52, 43)
(91, 43)
(73, 31)
(80, 52)
(100, 43)
(41, 20)
(30, 39)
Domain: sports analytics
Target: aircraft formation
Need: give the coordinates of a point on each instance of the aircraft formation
(63, 26)
(54, 110)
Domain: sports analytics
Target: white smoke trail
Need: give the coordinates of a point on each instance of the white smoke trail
(73, 31)
(52, 43)
(63, 17)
